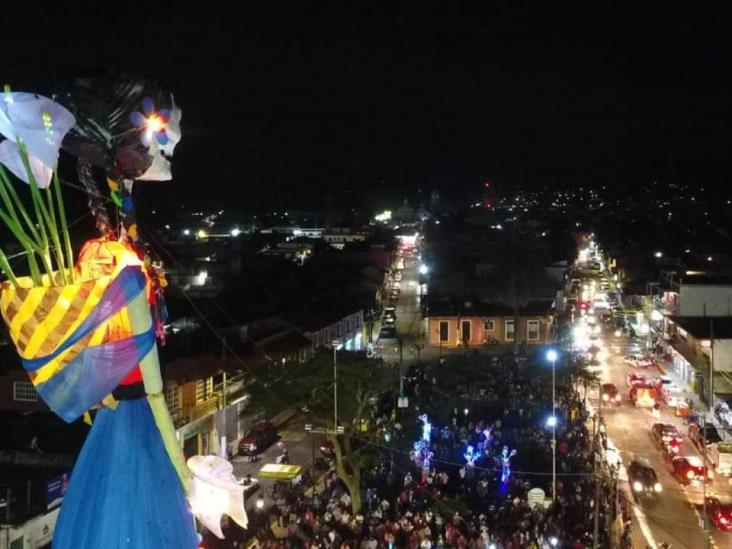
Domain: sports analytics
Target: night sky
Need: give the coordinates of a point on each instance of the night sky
(288, 105)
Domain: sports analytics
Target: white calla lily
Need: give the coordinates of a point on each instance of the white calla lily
(40, 124)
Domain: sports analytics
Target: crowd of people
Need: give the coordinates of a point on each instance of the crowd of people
(461, 498)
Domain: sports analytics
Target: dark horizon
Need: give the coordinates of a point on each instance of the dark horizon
(287, 107)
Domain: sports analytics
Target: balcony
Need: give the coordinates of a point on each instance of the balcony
(235, 389)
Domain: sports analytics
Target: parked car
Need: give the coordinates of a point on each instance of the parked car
(674, 396)
(663, 433)
(643, 479)
(643, 395)
(610, 394)
(719, 510)
(634, 379)
(260, 437)
(637, 361)
(702, 437)
(690, 469)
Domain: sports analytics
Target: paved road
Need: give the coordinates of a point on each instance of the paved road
(409, 323)
(675, 517)
(301, 447)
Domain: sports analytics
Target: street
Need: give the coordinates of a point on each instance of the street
(675, 517)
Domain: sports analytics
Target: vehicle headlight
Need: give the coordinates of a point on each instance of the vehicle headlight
(710, 474)
(605, 397)
(617, 398)
(657, 487)
(689, 474)
(637, 486)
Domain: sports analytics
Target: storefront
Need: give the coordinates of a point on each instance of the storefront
(681, 366)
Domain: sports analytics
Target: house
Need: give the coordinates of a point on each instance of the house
(699, 347)
(194, 386)
(323, 323)
(475, 323)
(275, 340)
(697, 296)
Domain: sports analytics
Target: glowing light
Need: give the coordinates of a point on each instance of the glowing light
(423, 269)
(201, 234)
(155, 124)
(657, 487)
(383, 217)
(186, 232)
(551, 355)
(260, 503)
(553, 541)
(201, 278)
(551, 421)
(658, 255)
(235, 232)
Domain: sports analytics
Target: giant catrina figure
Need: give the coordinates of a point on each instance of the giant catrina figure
(85, 331)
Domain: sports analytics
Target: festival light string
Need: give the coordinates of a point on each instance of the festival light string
(371, 442)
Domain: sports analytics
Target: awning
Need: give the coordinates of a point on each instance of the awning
(280, 472)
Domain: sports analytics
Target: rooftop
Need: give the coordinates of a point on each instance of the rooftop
(454, 307)
(701, 326)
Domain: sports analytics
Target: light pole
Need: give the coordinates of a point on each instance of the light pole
(336, 344)
(551, 355)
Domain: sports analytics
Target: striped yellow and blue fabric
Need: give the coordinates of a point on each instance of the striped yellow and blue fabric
(77, 341)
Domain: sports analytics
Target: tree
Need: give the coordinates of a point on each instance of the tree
(359, 379)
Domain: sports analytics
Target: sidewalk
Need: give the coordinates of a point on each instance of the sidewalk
(667, 369)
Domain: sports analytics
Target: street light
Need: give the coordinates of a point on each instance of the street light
(423, 269)
(552, 356)
(336, 346)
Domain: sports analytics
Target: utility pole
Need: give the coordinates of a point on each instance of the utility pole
(401, 377)
(224, 444)
(711, 364)
(705, 518)
(335, 384)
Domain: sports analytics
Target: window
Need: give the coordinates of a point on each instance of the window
(24, 391)
(509, 330)
(172, 396)
(489, 325)
(465, 325)
(532, 330)
(200, 390)
(209, 387)
(443, 330)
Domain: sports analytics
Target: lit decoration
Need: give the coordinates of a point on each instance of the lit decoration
(215, 492)
(39, 125)
(505, 459)
(470, 456)
(151, 124)
(426, 428)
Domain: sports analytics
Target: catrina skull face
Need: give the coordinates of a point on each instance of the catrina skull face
(159, 169)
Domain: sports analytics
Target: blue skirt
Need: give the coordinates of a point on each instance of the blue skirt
(124, 491)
